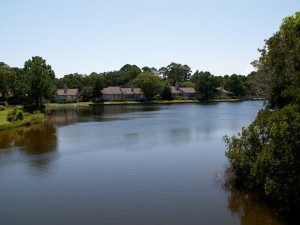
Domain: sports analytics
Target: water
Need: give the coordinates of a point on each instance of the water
(126, 165)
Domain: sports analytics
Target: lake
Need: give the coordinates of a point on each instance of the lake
(140, 164)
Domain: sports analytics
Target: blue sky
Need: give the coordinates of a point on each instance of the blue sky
(84, 36)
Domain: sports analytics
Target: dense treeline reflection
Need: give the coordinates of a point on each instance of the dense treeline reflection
(249, 206)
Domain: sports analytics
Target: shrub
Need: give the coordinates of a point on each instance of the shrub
(166, 93)
(266, 155)
(19, 115)
(15, 115)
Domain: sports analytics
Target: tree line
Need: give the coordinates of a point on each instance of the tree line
(36, 81)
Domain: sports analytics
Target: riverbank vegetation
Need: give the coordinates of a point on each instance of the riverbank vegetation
(16, 117)
(266, 155)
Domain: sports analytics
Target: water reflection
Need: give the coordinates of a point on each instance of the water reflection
(249, 206)
(125, 165)
(37, 142)
(101, 113)
(180, 135)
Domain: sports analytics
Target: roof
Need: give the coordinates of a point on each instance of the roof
(224, 91)
(138, 91)
(119, 91)
(111, 91)
(187, 90)
(174, 90)
(127, 91)
(70, 92)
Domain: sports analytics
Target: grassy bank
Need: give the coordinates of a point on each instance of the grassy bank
(67, 105)
(168, 101)
(147, 102)
(28, 119)
(226, 100)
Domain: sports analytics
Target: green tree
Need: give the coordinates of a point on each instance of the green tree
(87, 93)
(266, 155)
(147, 69)
(206, 85)
(6, 79)
(221, 81)
(250, 84)
(20, 87)
(278, 67)
(149, 83)
(98, 85)
(73, 80)
(236, 85)
(189, 84)
(130, 72)
(39, 77)
(176, 73)
(166, 93)
(121, 77)
(114, 78)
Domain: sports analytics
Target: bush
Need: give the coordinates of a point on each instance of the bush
(19, 115)
(3, 104)
(166, 93)
(2, 108)
(266, 155)
(15, 115)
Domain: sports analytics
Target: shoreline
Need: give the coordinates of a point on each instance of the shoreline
(29, 119)
(40, 117)
(154, 102)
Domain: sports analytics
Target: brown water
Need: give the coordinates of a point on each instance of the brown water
(126, 165)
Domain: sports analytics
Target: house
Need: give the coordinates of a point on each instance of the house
(111, 93)
(138, 94)
(127, 93)
(188, 92)
(223, 93)
(122, 93)
(132, 93)
(67, 94)
(183, 92)
(175, 92)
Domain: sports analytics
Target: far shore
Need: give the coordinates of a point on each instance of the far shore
(87, 104)
(39, 117)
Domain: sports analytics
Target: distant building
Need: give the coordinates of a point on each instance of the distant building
(223, 93)
(122, 93)
(188, 92)
(183, 92)
(67, 94)
(175, 92)
(111, 93)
